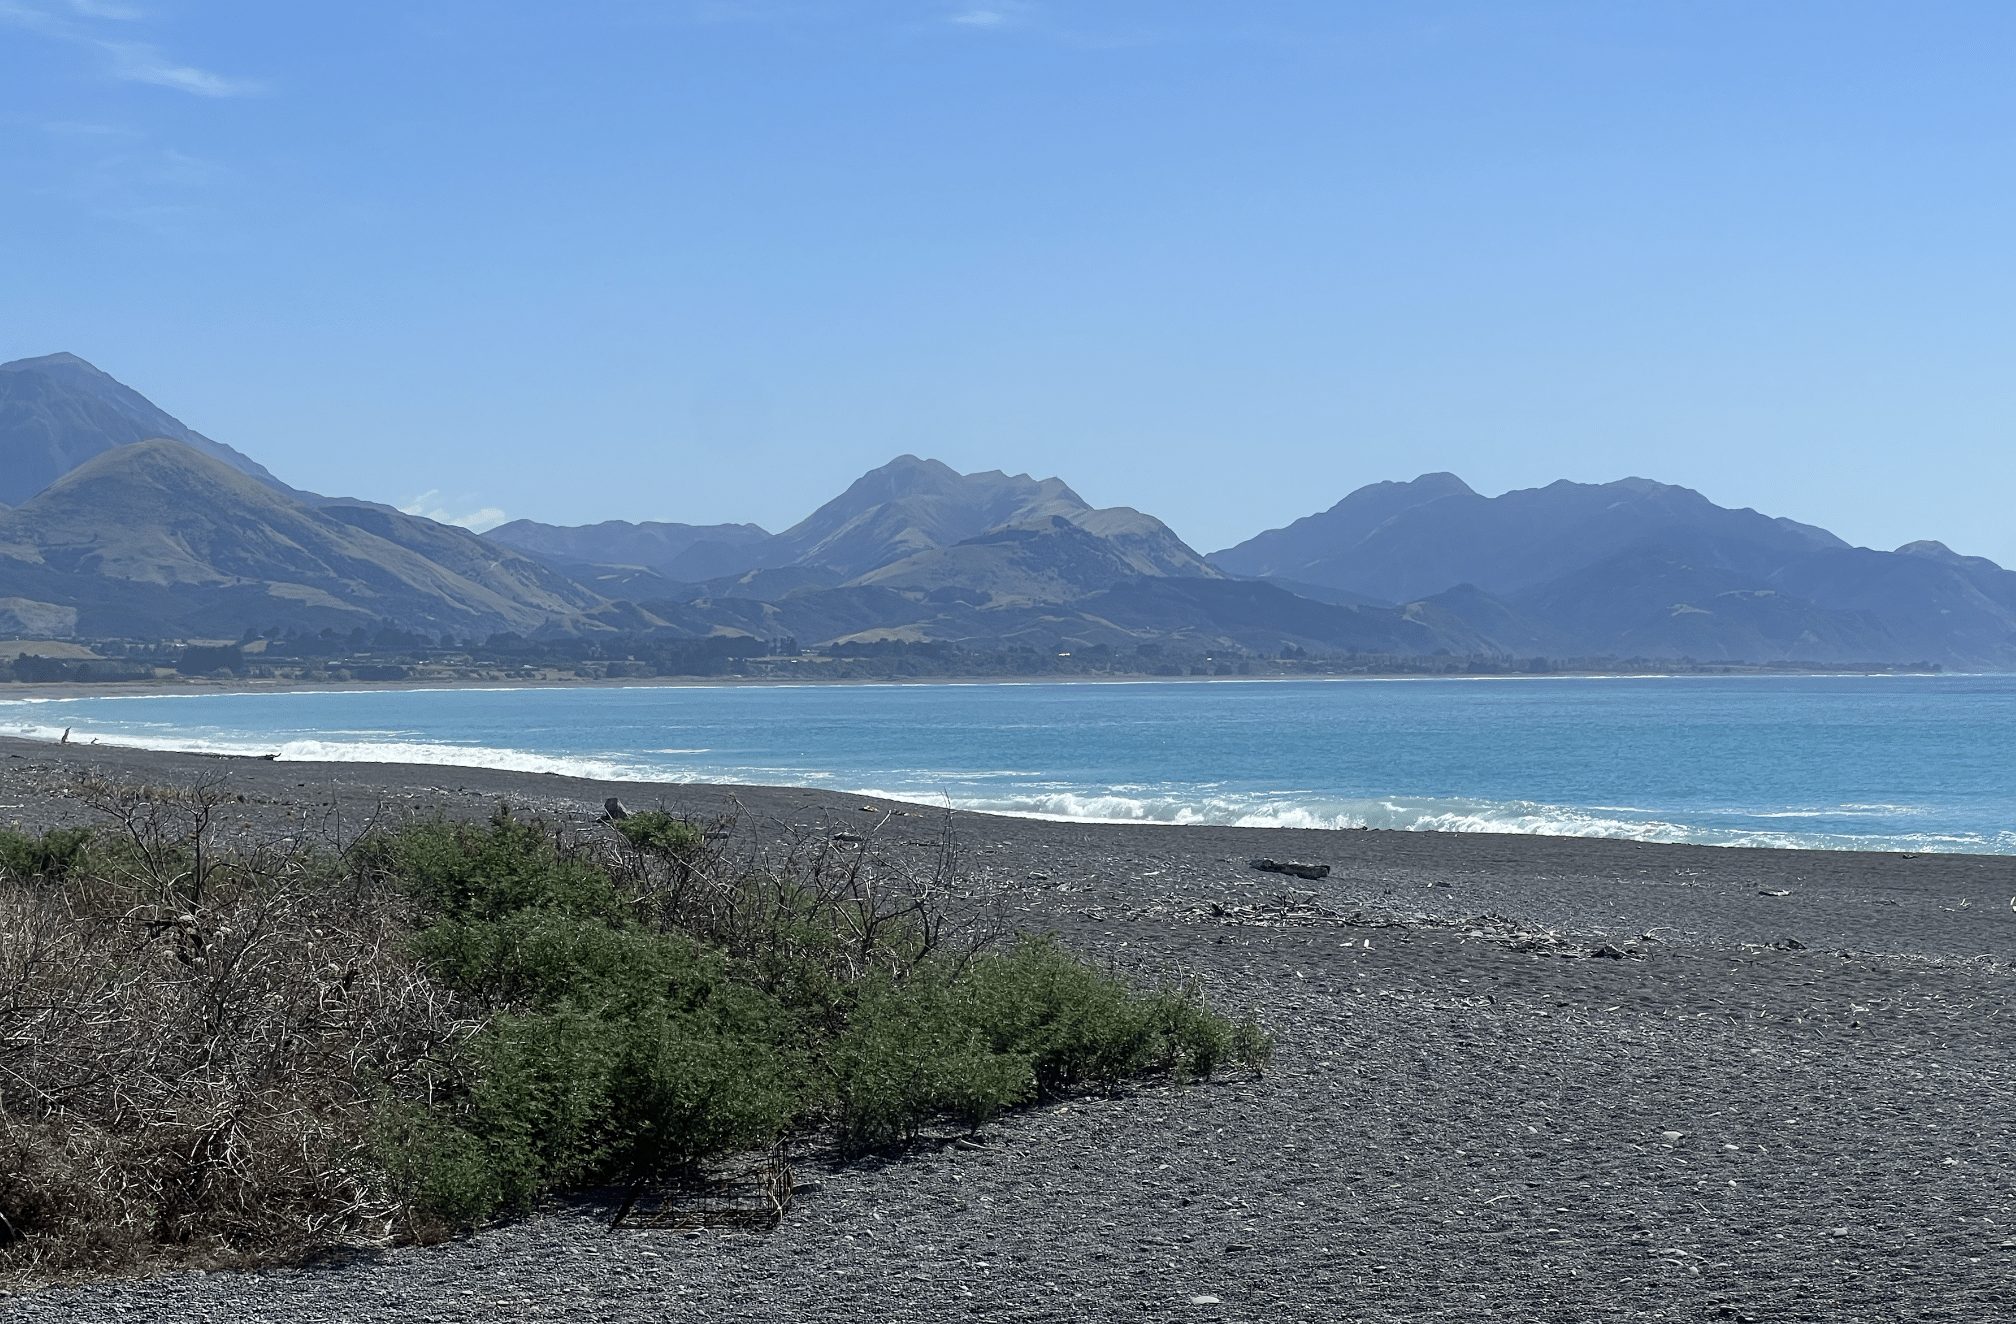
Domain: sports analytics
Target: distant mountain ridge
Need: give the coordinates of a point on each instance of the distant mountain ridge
(1638, 568)
(1404, 541)
(673, 551)
(1632, 568)
(117, 534)
(905, 508)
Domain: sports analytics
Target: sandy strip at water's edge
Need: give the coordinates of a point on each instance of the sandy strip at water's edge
(1467, 1120)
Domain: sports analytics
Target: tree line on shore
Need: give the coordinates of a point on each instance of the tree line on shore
(391, 654)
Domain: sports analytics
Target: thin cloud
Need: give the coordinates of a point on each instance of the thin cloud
(130, 61)
(138, 62)
(428, 505)
(996, 16)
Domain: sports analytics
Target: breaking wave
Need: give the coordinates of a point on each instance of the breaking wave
(608, 768)
(1421, 814)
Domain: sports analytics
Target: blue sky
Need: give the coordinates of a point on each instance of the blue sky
(674, 259)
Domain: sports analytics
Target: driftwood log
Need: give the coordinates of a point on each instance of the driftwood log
(1311, 871)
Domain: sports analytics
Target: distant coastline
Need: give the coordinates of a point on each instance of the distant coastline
(193, 685)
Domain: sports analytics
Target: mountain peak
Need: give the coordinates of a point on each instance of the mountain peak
(906, 475)
(909, 475)
(909, 505)
(161, 462)
(1939, 551)
(1440, 482)
(1277, 552)
(62, 360)
(57, 411)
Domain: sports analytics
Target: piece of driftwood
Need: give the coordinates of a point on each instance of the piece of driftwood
(1291, 867)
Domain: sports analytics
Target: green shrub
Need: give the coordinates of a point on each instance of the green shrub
(618, 1051)
(660, 833)
(693, 1084)
(1033, 1021)
(55, 855)
(639, 1027)
(908, 1055)
(461, 871)
(1078, 1026)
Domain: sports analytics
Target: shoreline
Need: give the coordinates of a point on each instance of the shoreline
(277, 782)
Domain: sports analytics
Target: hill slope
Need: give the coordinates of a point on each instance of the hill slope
(156, 538)
(58, 411)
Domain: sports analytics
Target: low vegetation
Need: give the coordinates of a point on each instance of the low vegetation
(226, 1057)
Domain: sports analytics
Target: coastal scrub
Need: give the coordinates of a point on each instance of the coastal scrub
(655, 1008)
(224, 1057)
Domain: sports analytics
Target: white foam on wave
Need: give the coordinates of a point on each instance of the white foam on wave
(1521, 817)
(1195, 803)
(605, 768)
(43, 731)
(459, 756)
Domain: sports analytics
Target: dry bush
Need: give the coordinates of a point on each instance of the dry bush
(795, 896)
(185, 1081)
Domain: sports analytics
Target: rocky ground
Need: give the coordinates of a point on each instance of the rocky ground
(1517, 1078)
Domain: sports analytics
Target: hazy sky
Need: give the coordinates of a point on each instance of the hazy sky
(667, 259)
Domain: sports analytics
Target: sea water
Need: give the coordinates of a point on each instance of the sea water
(1910, 763)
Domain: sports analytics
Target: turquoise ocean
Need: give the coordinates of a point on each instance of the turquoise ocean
(1908, 763)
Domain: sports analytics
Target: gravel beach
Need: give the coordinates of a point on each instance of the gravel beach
(1520, 1078)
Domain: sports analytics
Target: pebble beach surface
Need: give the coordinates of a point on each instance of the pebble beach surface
(1520, 1078)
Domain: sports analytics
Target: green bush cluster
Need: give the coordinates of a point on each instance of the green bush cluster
(970, 1040)
(661, 833)
(640, 1025)
(55, 855)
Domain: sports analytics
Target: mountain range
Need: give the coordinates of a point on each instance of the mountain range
(126, 523)
(1638, 568)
